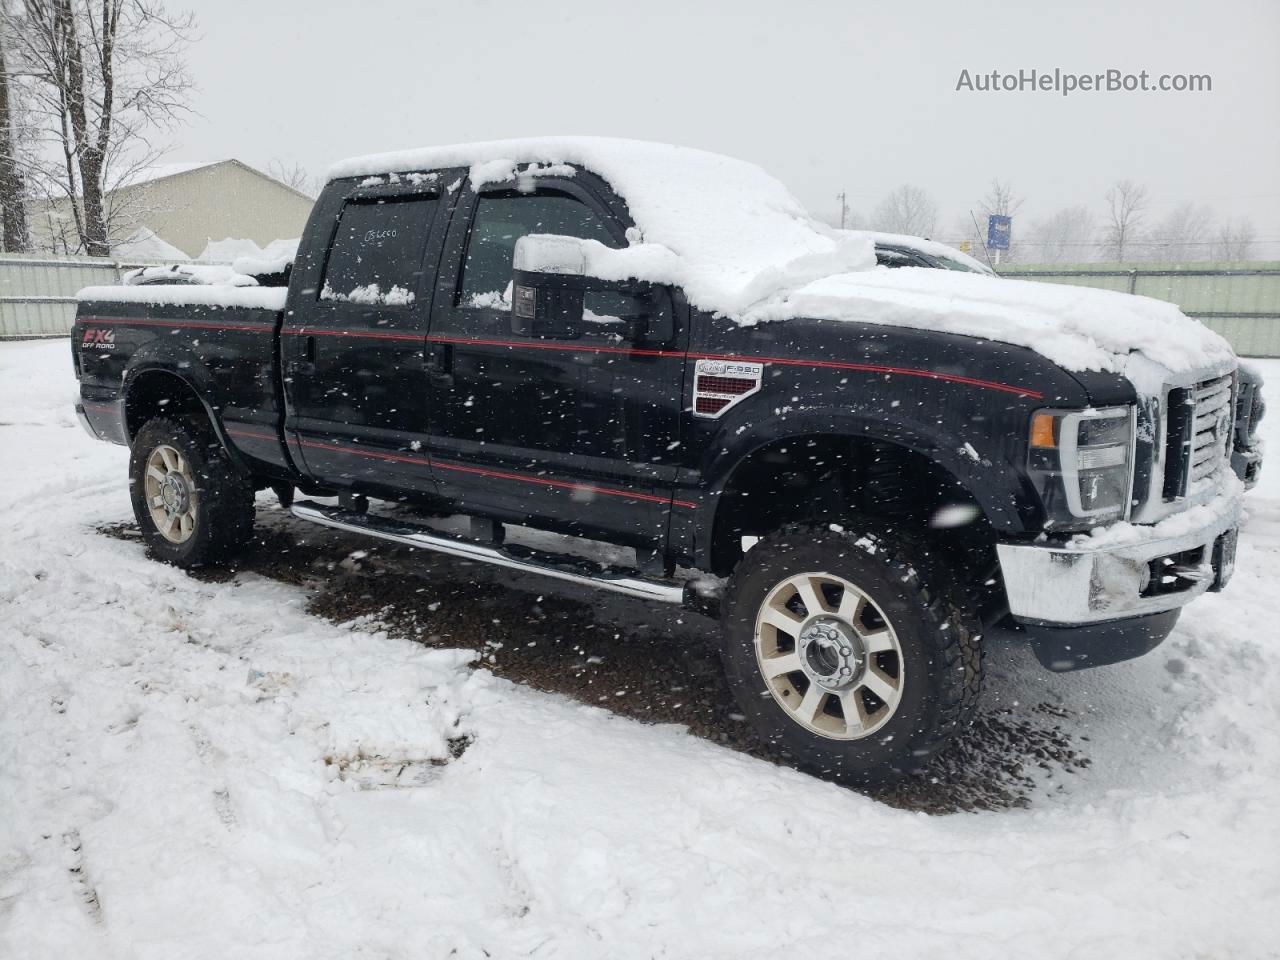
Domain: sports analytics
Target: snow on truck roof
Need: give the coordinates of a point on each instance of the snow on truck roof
(741, 245)
(729, 224)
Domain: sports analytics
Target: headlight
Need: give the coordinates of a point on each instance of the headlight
(1082, 464)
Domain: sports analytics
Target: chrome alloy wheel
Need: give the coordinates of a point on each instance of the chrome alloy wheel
(170, 491)
(829, 656)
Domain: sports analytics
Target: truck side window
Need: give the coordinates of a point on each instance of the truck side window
(501, 220)
(376, 255)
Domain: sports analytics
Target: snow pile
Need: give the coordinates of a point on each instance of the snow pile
(201, 769)
(741, 245)
(145, 244)
(231, 249)
(276, 257)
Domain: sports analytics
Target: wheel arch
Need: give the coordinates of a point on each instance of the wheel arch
(158, 390)
(826, 446)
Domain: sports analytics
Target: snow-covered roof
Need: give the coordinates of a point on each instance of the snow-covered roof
(158, 171)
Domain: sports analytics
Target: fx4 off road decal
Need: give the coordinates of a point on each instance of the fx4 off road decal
(99, 338)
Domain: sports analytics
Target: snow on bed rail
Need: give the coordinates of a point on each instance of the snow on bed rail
(178, 295)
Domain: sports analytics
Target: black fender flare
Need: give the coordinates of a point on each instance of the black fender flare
(153, 358)
(995, 487)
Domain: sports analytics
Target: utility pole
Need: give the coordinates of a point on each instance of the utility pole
(844, 208)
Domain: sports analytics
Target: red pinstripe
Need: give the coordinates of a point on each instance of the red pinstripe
(783, 361)
(479, 471)
(624, 351)
(237, 432)
(177, 324)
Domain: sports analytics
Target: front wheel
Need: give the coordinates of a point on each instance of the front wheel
(192, 505)
(850, 651)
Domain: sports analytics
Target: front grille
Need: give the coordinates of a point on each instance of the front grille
(1200, 435)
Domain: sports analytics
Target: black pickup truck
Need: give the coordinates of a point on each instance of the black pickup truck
(861, 470)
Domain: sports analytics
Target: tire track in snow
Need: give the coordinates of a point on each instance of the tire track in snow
(81, 883)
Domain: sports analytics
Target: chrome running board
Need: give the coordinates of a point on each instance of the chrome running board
(512, 556)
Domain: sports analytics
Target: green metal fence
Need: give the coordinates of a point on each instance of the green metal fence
(1240, 300)
(38, 292)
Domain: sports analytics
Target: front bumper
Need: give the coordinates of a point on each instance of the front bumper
(1119, 574)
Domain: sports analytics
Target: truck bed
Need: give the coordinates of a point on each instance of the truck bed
(221, 341)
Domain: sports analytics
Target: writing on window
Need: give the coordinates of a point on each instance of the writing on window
(376, 255)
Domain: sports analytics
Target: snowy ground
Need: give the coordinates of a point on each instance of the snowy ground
(200, 769)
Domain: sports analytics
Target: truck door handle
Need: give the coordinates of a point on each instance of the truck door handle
(439, 365)
(305, 362)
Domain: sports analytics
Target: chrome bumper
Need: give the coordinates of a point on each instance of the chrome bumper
(1083, 582)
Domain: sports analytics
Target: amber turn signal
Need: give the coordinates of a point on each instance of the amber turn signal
(1042, 431)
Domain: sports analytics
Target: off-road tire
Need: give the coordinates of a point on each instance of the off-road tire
(936, 626)
(223, 519)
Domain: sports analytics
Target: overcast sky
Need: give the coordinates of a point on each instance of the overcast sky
(828, 96)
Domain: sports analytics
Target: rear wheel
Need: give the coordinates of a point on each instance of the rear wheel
(850, 651)
(191, 503)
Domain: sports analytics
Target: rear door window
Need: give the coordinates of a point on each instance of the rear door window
(376, 257)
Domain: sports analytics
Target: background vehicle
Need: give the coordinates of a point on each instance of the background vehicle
(895, 250)
(1246, 450)
(657, 348)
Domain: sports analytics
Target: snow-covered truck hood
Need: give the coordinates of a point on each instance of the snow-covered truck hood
(740, 245)
(1078, 328)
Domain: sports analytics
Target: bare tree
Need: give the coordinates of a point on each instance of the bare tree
(13, 186)
(908, 210)
(106, 77)
(1183, 235)
(1062, 237)
(1126, 209)
(1235, 240)
(294, 175)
